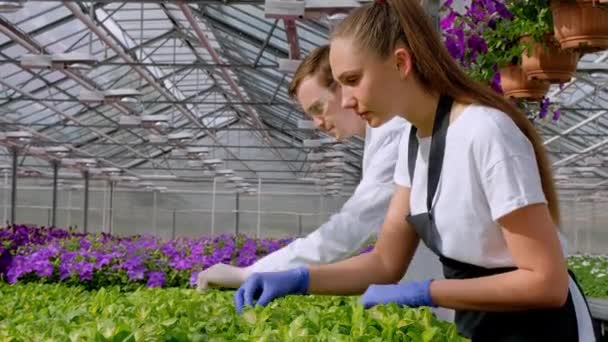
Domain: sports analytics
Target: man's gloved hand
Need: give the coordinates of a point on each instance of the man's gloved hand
(221, 275)
(412, 294)
(267, 286)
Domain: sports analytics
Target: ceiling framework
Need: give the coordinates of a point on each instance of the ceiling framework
(208, 69)
(212, 70)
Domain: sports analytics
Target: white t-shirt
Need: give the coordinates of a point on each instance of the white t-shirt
(359, 219)
(489, 170)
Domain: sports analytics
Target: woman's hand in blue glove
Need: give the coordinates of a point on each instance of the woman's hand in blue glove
(412, 294)
(267, 286)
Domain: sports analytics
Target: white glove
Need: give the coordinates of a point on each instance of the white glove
(221, 275)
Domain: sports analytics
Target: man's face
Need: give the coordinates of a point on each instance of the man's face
(323, 106)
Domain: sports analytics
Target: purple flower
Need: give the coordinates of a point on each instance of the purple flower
(557, 114)
(64, 271)
(85, 244)
(16, 269)
(477, 45)
(503, 11)
(136, 273)
(102, 260)
(84, 270)
(496, 81)
(43, 268)
(193, 278)
(448, 21)
(156, 279)
(181, 264)
(544, 108)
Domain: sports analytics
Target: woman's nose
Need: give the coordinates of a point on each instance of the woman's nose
(348, 101)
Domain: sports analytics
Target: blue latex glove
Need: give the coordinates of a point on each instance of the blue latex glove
(412, 294)
(267, 286)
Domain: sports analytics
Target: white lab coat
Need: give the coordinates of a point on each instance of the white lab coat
(361, 217)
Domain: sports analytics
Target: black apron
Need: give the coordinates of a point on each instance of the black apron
(550, 325)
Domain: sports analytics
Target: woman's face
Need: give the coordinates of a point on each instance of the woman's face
(324, 107)
(373, 88)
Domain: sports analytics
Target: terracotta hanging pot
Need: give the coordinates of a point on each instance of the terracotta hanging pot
(515, 83)
(548, 61)
(580, 25)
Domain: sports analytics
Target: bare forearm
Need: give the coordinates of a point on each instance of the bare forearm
(512, 291)
(349, 277)
(386, 264)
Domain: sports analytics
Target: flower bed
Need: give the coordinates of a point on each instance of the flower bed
(46, 255)
(56, 312)
(51, 255)
(592, 274)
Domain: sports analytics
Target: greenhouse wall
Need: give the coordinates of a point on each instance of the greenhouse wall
(283, 210)
(188, 210)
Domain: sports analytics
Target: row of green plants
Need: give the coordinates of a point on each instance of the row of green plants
(57, 312)
(54, 255)
(67, 286)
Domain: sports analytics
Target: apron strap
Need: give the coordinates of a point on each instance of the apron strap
(440, 130)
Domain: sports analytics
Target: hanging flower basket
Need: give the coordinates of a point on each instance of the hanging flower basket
(515, 83)
(547, 61)
(580, 25)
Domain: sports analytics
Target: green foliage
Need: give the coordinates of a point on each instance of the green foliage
(591, 273)
(532, 17)
(42, 312)
(503, 36)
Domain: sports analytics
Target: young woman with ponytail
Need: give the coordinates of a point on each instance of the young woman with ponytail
(473, 183)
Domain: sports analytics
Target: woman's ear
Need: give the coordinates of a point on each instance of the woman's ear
(403, 60)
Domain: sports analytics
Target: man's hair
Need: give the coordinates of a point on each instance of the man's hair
(316, 63)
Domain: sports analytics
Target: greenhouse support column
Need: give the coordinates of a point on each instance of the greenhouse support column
(432, 9)
(591, 227)
(154, 215)
(257, 232)
(69, 207)
(236, 215)
(5, 195)
(213, 207)
(111, 207)
(577, 246)
(54, 208)
(321, 207)
(14, 187)
(299, 225)
(173, 226)
(86, 202)
(103, 210)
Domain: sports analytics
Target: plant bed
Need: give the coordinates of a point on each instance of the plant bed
(92, 261)
(30, 254)
(43, 312)
(592, 274)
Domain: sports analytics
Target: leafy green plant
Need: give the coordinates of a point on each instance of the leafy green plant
(487, 36)
(55, 312)
(531, 17)
(592, 274)
(503, 36)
